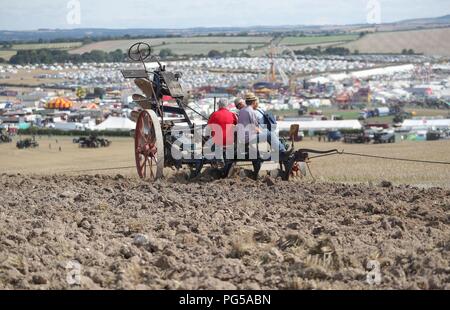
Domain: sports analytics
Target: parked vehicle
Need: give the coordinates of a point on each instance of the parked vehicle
(356, 138)
(334, 136)
(4, 138)
(384, 137)
(433, 135)
(27, 143)
(92, 142)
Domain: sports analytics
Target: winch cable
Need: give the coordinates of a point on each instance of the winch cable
(313, 157)
(325, 155)
(399, 159)
(385, 157)
(98, 169)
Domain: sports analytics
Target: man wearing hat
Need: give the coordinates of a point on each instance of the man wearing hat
(249, 120)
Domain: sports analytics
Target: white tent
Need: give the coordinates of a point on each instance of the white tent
(411, 124)
(320, 79)
(320, 125)
(391, 70)
(116, 123)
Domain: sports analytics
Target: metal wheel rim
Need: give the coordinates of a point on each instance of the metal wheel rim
(149, 151)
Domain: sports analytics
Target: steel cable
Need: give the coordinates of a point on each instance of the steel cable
(314, 157)
(385, 157)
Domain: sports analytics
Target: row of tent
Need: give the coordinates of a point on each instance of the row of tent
(112, 123)
(61, 103)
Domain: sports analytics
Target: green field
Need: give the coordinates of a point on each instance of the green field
(36, 46)
(429, 41)
(318, 39)
(426, 41)
(7, 54)
(223, 39)
(185, 45)
(196, 48)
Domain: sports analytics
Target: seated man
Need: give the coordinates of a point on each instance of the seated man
(239, 103)
(255, 133)
(222, 124)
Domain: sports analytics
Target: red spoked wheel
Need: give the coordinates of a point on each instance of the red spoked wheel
(298, 170)
(294, 169)
(149, 146)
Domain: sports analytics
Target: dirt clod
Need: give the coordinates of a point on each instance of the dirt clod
(39, 280)
(386, 184)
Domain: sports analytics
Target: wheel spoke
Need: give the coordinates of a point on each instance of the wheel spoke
(152, 175)
(145, 166)
(141, 132)
(147, 140)
(141, 164)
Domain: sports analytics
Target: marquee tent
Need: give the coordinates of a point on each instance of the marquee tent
(116, 123)
(59, 103)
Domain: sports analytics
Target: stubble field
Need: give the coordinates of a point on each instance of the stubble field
(48, 159)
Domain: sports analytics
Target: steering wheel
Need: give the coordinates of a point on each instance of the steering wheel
(139, 51)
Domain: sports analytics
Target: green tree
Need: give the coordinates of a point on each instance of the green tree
(165, 52)
(214, 54)
(87, 40)
(80, 93)
(116, 56)
(341, 51)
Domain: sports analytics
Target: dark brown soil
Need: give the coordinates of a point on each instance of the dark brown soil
(226, 234)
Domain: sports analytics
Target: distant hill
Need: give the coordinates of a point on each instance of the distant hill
(418, 23)
(423, 21)
(77, 34)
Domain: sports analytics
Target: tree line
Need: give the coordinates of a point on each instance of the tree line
(84, 40)
(340, 51)
(50, 56)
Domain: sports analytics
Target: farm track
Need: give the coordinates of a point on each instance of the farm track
(223, 234)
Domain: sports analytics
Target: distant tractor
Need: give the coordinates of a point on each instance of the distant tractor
(92, 142)
(4, 138)
(26, 143)
(359, 137)
(104, 142)
(302, 110)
